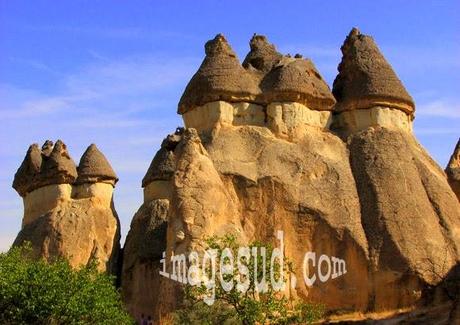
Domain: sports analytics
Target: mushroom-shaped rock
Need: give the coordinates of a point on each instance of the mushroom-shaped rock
(162, 167)
(95, 168)
(220, 77)
(297, 80)
(26, 176)
(263, 55)
(366, 79)
(453, 170)
(58, 167)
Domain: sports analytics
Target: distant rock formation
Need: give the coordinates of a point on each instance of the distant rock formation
(68, 211)
(266, 147)
(453, 170)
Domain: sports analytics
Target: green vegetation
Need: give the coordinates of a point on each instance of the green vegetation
(250, 307)
(36, 292)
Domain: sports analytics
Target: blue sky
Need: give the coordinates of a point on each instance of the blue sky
(112, 72)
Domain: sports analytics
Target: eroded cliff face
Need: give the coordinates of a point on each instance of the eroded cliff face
(350, 182)
(69, 211)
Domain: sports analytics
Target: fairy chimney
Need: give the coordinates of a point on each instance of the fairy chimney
(68, 213)
(367, 89)
(157, 180)
(96, 178)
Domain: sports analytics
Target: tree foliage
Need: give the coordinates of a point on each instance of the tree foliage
(252, 306)
(37, 292)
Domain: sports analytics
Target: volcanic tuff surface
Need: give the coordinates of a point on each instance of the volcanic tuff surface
(267, 146)
(69, 213)
(354, 184)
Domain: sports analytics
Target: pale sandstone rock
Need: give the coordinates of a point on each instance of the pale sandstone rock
(352, 121)
(284, 119)
(79, 230)
(217, 114)
(101, 193)
(158, 189)
(411, 217)
(372, 197)
(44, 199)
(66, 219)
(382, 218)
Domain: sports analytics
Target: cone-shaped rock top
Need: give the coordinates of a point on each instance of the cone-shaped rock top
(58, 168)
(263, 55)
(94, 167)
(220, 77)
(162, 167)
(26, 176)
(297, 80)
(366, 79)
(163, 164)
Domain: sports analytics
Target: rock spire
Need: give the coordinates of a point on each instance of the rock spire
(94, 167)
(25, 179)
(297, 80)
(163, 164)
(220, 77)
(366, 79)
(58, 167)
(263, 55)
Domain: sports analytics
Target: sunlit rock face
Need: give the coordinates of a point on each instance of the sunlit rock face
(68, 210)
(270, 148)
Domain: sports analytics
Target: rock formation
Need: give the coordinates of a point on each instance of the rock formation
(453, 170)
(68, 211)
(261, 151)
(267, 146)
(366, 79)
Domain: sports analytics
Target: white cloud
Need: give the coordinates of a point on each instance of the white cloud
(440, 108)
(112, 84)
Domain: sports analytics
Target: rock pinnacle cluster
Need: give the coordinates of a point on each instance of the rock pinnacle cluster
(266, 146)
(68, 210)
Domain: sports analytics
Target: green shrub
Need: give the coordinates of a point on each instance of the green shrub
(36, 292)
(250, 307)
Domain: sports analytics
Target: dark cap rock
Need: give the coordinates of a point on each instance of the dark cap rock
(25, 179)
(94, 168)
(58, 167)
(297, 80)
(162, 167)
(366, 79)
(263, 55)
(220, 77)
